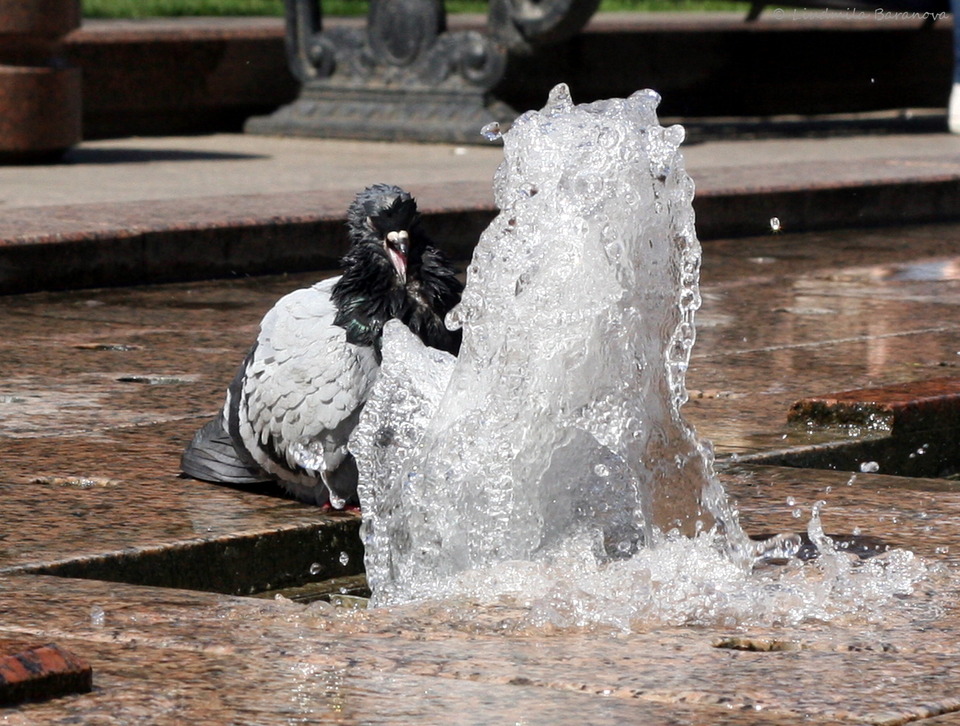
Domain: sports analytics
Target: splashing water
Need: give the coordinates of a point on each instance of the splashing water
(550, 461)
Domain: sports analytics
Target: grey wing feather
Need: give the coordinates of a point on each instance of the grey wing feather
(302, 391)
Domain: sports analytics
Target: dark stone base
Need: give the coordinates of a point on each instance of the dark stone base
(385, 115)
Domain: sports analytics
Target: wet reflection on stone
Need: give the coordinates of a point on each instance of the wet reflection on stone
(66, 419)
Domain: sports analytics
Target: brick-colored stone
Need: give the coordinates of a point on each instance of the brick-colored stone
(40, 114)
(39, 111)
(37, 671)
(43, 18)
(915, 405)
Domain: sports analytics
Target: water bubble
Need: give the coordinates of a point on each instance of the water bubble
(97, 616)
(791, 501)
(315, 568)
(344, 558)
(797, 513)
(491, 132)
(869, 467)
(454, 319)
(601, 470)
(528, 189)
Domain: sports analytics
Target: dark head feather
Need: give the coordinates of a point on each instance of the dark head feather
(369, 292)
(380, 209)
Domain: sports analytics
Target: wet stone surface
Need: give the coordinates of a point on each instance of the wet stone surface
(104, 387)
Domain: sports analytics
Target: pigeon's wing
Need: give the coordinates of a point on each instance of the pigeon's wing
(302, 390)
(212, 456)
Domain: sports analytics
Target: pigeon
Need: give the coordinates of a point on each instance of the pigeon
(297, 396)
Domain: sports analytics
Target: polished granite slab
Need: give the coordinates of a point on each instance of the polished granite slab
(105, 386)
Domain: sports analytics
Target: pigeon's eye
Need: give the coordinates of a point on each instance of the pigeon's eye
(399, 240)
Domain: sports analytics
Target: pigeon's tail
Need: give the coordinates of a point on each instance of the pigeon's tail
(211, 456)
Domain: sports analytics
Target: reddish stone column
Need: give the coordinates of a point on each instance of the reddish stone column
(39, 94)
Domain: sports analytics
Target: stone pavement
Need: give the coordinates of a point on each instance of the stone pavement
(145, 576)
(103, 387)
(176, 208)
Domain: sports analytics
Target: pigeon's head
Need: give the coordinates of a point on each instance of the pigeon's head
(385, 215)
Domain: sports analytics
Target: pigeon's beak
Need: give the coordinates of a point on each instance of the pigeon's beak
(397, 245)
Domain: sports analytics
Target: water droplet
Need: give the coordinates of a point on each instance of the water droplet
(791, 501)
(851, 480)
(315, 568)
(491, 132)
(559, 100)
(97, 616)
(869, 467)
(344, 558)
(601, 470)
(454, 319)
(942, 550)
(797, 513)
(774, 224)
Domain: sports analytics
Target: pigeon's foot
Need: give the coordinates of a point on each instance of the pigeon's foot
(328, 508)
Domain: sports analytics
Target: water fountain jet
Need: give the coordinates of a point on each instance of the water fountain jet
(557, 438)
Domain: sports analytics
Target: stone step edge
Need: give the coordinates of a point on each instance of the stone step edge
(132, 243)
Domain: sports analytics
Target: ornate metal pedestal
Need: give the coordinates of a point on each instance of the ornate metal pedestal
(405, 77)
